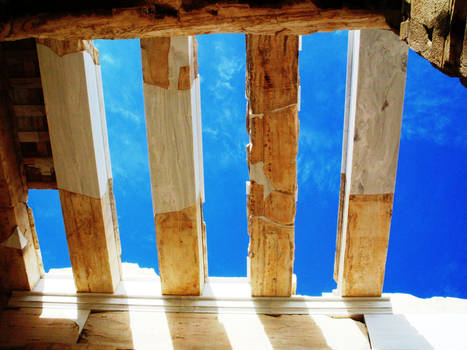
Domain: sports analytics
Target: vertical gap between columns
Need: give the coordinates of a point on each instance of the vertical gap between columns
(126, 129)
(222, 71)
(47, 212)
(322, 67)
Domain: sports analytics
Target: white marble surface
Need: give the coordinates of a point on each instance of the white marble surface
(376, 116)
(73, 101)
(417, 331)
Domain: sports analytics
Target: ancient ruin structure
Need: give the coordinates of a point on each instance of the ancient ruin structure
(53, 135)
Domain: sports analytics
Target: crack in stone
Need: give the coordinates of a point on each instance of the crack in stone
(261, 115)
(262, 217)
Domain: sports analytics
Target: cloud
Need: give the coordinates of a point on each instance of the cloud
(131, 156)
(230, 149)
(434, 126)
(211, 132)
(318, 160)
(126, 113)
(339, 33)
(435, 114)
(122, 79)
(223, 107)
(107, 58)
(221, 86)
(229, 64)
(318, 171)
(228, 67)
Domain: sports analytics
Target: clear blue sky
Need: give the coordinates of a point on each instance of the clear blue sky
(428, 242)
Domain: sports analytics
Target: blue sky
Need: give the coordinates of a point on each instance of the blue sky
(428, 243)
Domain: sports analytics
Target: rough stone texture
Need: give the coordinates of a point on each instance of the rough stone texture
(137, 18)
(212, 331)
(59, 328)
(434, 29)
(437, 31)
(375, 95)
(272, 123)
(22, 326)
(72, 88)
(367, 237)
(271, 254)
(340, 214)
(20, 265)
(92, 244)
(156, 73)
(65, 47)
(180, 250)
(173, 120)
(20, 68)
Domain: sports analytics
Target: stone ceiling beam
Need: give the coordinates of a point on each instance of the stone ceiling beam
(376, 70)
(272, 124)
(173, 122)
(72, 86)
